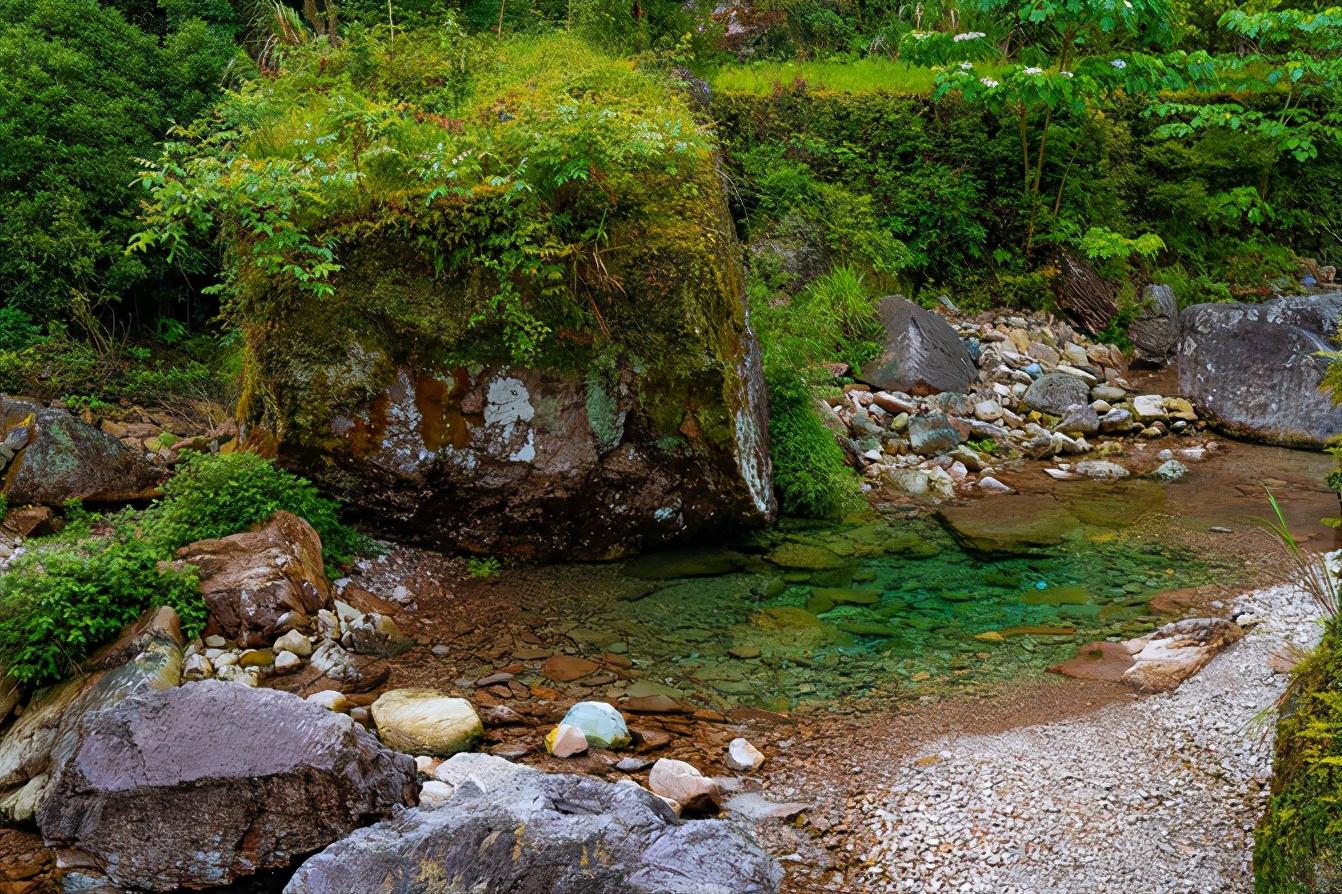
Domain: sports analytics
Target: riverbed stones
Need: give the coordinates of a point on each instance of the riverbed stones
(1101, 469)
(1255, 369)
(743, 756)
(251, 580)
(683, 783)
(1081, 419)
(544, 833)
(173, 788)
(425, 721)
(601, 724)
(922, 353)
(567, 668)
(49, 457)
(1056, 393)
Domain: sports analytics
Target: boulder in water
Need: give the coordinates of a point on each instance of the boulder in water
(1254, 369)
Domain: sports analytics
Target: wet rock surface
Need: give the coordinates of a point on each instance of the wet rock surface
(539, 833)
(1254, 369)
(151, 801)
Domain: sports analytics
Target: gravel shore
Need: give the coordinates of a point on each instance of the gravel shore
(1157, 795)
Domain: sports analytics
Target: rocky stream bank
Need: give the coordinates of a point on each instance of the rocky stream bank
(852, 707)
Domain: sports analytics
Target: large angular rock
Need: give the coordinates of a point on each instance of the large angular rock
(146, 656)
(1253, 369)
(539, 833)
(644, 424)
(56, 457)
(211, 782)
(922, 355)
(1154, 332)
(251, 580)
(1056, 393)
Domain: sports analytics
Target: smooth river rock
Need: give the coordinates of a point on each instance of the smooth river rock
(922, 354)
(524, 832)
(423, 721)
(1056, 393)
(1253, 369)
(211, 782)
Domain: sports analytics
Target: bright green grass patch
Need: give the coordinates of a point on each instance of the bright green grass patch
(870, 75)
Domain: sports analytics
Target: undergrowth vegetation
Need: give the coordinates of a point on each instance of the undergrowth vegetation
(71, 592)
(1298, 844)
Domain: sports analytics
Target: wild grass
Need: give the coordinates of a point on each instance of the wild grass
(871, 75)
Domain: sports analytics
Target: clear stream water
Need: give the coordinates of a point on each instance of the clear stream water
(807, 614)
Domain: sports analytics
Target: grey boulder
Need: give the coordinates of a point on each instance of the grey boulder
(922, 354)
(211, 782)
(1056, 393)
(527, 832)
(1154, 332)
(1254, 369)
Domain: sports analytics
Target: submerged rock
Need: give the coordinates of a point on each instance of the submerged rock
(1025, 525)
(1254, 369)
(922, 354)
(50, 457)
(540, 833)
(210, 782)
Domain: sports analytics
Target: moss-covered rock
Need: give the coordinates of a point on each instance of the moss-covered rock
(530, 334)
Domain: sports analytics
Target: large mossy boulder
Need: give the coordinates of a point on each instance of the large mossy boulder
(1254, 369)
(554, 361)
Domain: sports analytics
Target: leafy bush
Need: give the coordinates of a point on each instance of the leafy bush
(218, 495)
(83, 92)
(834, 317)
(58, 604)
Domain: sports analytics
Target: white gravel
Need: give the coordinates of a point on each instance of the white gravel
(1156, 795)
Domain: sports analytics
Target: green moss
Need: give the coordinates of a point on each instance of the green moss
(1298, 844)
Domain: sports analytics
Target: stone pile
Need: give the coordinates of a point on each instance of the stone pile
(1042, 391)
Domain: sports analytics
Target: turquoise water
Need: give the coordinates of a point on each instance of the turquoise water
(810, 613)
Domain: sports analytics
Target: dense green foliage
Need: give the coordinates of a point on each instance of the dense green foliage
(510, 178)
(834, 316)
(83, 94)
(57, 604)
(218, 495)
(1298, 844)
(72, 592)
